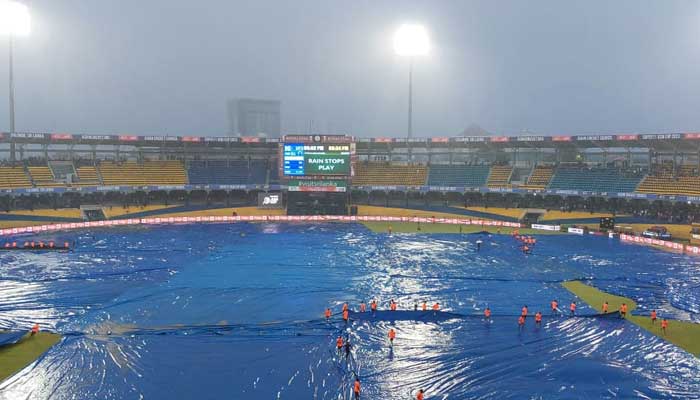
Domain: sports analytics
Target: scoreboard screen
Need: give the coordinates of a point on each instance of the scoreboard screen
(312, 159)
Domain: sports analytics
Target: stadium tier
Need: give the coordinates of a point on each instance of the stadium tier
(14, 177)
(385, 174)
(539, 178)
(458, 175)
(593, 180)
(87, 176)
(142, 174)
(236, 172)
(42, 177)
(500, 176)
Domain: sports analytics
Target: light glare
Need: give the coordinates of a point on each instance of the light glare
(411, 40)
(14, 18)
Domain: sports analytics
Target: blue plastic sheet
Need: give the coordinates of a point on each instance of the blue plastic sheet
(11, 337)
(236, 311)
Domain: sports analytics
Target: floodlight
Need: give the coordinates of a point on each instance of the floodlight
(411, 40)
(14, 18)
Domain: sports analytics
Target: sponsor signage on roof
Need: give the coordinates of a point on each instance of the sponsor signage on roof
(627, 137)
(692, 135)
(97, 137)
(128, 138)
(561, 138)
(191, 139)
(662, 136)
(595, 138)
(529, 138)
(499, 139)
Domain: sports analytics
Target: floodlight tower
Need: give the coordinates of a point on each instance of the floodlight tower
(411, 40)
(14, 21)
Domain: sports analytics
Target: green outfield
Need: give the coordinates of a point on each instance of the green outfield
(15, 357)
(683, 334)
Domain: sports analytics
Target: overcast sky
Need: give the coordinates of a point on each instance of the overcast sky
(547, 66)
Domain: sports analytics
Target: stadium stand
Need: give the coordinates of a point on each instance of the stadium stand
(593, 179)
(539, 178)
(385, 174)
(500, 176)
(663, 182)
(235, 172)
(14, 177)
(87, 176)
(143, 174)
(61, 170)
(42, 177)
(458, 175)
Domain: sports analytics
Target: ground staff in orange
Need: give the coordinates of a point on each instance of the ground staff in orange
(363, 307)
(392, 335)
(339, 343)
(328, 313)
(346, 315)
(664, 325)
(487, 314)
(373, 305)
(572, 308)
(436, 307)
(605, 307)
(555, 306)
(419, 396)
(538, 318)
(356, 389)
(653, 316)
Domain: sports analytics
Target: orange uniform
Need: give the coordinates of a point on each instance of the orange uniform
(392, 306)
(487, 313)
(521, 320)
(339, 342)
(623, 310)
(346, 315)
(328, 313)
(605, 308)
(538, 317)
(35, 329)
(373, 305)
(363, 307)
(425, 306)
(555, 305)
(356, 388)
(419, 396)
(392, 334)
(664, 325)
(345, 306)
(572, 307)
(653, 316)
(436, 307)
(524, 311)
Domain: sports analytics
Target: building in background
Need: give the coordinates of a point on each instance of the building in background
(254, 117)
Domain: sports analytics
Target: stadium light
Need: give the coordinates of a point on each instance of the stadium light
(411, 40)
(14, 21)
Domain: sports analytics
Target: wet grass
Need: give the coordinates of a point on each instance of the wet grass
(15, 357)
(683, 334)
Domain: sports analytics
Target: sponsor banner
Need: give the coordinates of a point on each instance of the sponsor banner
(560, 138)
(693, 136)
(546, 227)
(61, 136)
(626, 137)
(499, 139)
(576, 231)
(252, 218)
(270, 200)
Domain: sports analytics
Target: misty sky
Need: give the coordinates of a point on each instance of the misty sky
(167, 67)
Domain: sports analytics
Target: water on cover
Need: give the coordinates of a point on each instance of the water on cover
(236, 311)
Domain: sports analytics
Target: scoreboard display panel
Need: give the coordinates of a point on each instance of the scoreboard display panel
(314, 159)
